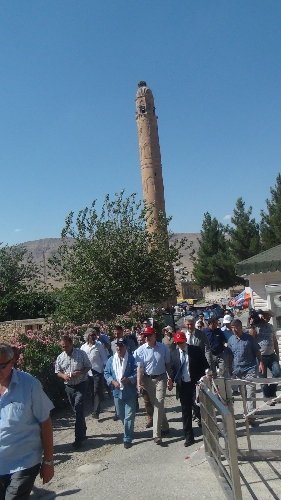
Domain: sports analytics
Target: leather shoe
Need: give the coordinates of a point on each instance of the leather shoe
(252, 422)
(165, 433)
(76, 445)
(149, 424)
(128, 445)
(157, 440)
(190, 442)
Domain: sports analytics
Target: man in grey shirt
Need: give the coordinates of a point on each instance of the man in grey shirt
(72, 366)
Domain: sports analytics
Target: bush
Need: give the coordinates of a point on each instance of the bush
(38, 351)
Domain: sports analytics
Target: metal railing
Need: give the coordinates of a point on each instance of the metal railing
(225, 388)
(220, 440)
(219, 414)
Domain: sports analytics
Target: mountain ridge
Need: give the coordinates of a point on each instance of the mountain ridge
(45, 248)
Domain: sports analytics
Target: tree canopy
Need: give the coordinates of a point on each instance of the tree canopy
(18, 271)
(244, 235)
(270, 226)
(21, 292)
(213, 265)
(114, 261)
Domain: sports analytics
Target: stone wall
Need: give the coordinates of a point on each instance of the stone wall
(10, 328)
(216, 296)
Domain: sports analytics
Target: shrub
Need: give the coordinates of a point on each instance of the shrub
(37, 354)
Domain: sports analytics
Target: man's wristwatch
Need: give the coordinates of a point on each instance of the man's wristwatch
(48, 462)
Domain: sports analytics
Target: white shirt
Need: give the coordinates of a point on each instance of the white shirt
(185, 371)
(97, 356)
(190, 337)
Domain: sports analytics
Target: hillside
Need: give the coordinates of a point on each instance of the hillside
(45, 248)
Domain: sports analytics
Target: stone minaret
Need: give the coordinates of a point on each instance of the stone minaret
(150, 156)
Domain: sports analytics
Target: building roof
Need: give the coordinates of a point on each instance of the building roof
(264, 262)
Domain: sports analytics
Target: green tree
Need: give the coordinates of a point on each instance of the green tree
(18, 272)
(270, 226)
(244, 235)
(114, 261)
(213, 265)
(21, 293)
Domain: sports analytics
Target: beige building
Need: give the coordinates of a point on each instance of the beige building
(264, 274)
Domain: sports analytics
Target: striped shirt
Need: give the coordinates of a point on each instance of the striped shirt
(75, 361)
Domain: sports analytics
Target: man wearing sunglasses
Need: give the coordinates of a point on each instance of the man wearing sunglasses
(25, 430)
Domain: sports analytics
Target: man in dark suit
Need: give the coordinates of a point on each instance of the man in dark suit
(188, 365)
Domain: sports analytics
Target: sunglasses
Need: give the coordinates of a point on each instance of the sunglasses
(3, 365)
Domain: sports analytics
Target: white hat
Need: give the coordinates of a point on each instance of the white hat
(198, 323)
(168, 329)
(227, 319)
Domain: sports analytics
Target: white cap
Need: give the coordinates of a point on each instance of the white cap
(198, 323)
(227, 319)
(168, 329)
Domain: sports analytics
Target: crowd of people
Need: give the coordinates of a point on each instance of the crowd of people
(136, 363)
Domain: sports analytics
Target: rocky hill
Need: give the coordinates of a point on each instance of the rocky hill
(43, 249)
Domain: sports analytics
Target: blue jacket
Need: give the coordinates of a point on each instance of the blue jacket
(216, 340)
(130, 389)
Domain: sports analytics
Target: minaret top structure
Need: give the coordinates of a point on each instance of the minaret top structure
(149, 148)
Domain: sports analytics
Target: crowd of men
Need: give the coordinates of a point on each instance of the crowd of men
(136, 363)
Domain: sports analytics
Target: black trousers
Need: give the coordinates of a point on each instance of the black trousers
(76, 397)
(18, 484)
(186, 391)
(97, 391)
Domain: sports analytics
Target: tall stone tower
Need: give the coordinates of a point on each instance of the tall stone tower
(150, 156)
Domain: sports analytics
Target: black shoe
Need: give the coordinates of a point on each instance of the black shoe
(157, 440)
(128, 445)
(189, 442)
(252, 422)
(95, 416)
(77, 445)
(149, 424)
(115, 418)
(165, 433)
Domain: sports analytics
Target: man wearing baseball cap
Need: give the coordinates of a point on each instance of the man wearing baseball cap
(153, 362)
(188, 365)
(226, 329)
(168, 336)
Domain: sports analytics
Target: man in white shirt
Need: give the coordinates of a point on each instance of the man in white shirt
(197, 337)
(98, 359)
(188, 365)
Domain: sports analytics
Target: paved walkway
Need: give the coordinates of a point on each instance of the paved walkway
(104, 469)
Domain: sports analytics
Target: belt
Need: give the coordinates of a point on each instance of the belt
(154, 376)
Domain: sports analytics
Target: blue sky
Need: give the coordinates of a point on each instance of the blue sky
(69, 74)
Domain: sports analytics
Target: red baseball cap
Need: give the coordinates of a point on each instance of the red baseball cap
(148, 330)
(179, 337)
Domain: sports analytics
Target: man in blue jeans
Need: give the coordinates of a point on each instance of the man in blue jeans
(246, 355)
(120, 372)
